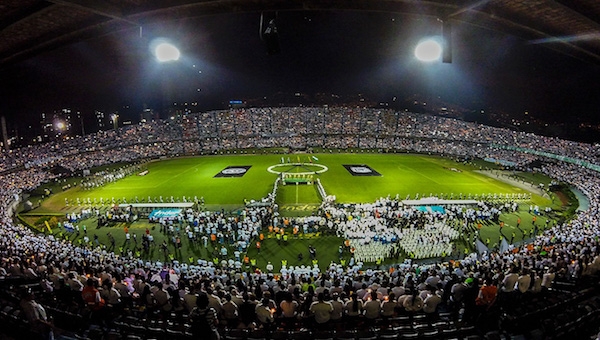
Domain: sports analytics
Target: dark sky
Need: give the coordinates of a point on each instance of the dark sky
(335, 52)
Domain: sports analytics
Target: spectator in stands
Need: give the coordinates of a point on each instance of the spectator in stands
(487, 295)
(338, 308)
(112, 298)
(510, 280)
(353, 309)
(204, 319)
(413, 303)
(372, 307)
(523, 281)
(162, 298)
(288, 306)
(189, 299)
(568, 251)
(388, 306)
(264, 315)
(321, 310)
(432, 300)
(91, 297)
(230, 312)
(36, 316)
(247, 312)
(548, 278)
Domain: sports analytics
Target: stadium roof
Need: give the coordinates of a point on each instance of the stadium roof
(30, 27)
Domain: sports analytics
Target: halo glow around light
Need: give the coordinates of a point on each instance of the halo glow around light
(166, 52)
(428, 50)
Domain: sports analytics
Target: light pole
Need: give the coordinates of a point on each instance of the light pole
(115, 120)
(81, 121)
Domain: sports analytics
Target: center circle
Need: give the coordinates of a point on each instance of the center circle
(323, 169)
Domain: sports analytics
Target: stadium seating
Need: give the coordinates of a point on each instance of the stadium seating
(568, 308)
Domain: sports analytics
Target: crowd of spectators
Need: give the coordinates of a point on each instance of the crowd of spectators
(335, 127)
(103, 286)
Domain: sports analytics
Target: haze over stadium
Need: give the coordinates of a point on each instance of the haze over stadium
(299, 170)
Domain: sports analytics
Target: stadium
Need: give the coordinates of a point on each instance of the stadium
(303, 222)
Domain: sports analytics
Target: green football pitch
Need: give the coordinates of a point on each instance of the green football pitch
(400, 174)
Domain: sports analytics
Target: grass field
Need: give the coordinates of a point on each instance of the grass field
(401, 174)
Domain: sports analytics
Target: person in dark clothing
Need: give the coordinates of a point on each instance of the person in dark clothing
(204, 319)
(469, 297)
(247, 311)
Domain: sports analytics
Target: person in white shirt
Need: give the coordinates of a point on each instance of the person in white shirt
(547, 279)
(523, 281)
(537, 283)
(510, 280)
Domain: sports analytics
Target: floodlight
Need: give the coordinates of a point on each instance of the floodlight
(165, 52)
(428, 50)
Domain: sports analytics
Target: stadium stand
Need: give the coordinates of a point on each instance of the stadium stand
(547, 289)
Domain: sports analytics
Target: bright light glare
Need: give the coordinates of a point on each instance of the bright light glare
(166, 52)
(428, 50)
(60, 125)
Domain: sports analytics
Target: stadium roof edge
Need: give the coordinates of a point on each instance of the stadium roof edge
(31, 27)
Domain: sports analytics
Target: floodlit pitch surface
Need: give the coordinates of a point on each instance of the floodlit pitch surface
(402, 174)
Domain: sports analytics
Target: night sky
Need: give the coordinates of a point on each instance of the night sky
(347, 53)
